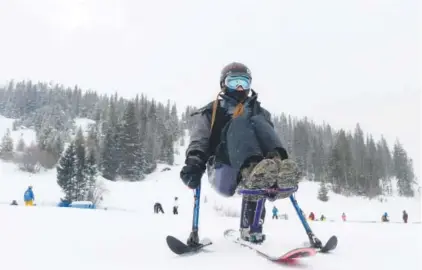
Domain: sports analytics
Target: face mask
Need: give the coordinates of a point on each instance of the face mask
(238, 95)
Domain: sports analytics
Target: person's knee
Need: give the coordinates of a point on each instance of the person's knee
(225, 180)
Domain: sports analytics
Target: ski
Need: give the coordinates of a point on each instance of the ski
(181, 248)
(330, 245)
(290, 257)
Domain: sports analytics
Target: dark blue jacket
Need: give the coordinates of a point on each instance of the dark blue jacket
(251, 134)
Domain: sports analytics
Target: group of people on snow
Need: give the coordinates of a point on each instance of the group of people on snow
(158, 208)
(312, 217)
(386, 218)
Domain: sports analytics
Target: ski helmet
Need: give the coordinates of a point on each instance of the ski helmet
(234, 68)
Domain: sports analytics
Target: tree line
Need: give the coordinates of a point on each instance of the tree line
(127, 140)
(130, 136)
(346, 162)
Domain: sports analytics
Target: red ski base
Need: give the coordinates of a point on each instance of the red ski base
(292, 256)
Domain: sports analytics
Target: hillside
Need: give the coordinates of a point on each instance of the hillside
(128, 236)
(127, 196)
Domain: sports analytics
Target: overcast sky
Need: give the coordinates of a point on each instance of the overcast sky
(336, 61)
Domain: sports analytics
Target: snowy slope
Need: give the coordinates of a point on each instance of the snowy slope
(51, 238)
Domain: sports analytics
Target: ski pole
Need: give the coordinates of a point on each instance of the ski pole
(193, 239)
(197, 200)
(315, 242)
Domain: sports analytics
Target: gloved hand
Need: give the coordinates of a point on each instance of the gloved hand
(192, 172)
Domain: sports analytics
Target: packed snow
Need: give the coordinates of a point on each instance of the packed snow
(123, 233)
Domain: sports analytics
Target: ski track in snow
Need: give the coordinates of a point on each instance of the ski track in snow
(129, 236)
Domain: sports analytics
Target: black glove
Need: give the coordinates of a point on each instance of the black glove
(192, 172)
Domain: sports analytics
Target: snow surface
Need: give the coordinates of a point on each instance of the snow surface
(127, 235)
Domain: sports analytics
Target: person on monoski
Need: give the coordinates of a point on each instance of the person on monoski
(233, 138)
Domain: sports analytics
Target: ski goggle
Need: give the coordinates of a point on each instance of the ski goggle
(233, 82)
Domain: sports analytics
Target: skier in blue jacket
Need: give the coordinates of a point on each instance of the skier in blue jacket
(29, 197)
(233, 138)
(275, 212)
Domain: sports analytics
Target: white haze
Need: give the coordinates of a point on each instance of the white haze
(336, 61)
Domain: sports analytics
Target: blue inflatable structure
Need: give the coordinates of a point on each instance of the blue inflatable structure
(77, 204)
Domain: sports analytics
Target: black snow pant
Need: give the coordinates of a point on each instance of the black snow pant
(175, 210)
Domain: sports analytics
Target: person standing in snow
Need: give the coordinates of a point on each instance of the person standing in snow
(29, 197)
(234, 139)
(176, 206)
(275, 213)
(158, 208)
(405, 216)
(343, 216)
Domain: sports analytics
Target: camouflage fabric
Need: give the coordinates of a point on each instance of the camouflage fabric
(271, 173)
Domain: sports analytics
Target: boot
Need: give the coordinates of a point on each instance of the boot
(253, 237)
(288, 176)
(270, 172)
(258, 175)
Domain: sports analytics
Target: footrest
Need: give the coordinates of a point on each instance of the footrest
(267, 191)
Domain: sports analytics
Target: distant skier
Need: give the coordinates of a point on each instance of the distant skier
(343, 216)
(14, 202)
(158, 208)
(29, 197)
(385, 218)
(275, 212)
(176, 206)
(312, 216)
(233, 137)
(405, 216)
(322, 218)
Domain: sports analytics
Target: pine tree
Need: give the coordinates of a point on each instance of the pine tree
(109, 151)
(80, 166)
(130, 146)
(6, 147)
(403, 171)
(91, 172)
(66, 172)
(372, 169)
(20, 147)
(340, 163)
(323, 192)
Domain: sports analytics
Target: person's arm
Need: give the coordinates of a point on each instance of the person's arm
(199, 138)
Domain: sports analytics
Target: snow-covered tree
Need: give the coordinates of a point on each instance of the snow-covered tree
(66, 173)
(6, 147)
(323, 192)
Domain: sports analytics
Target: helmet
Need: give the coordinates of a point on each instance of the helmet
(234, 68)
